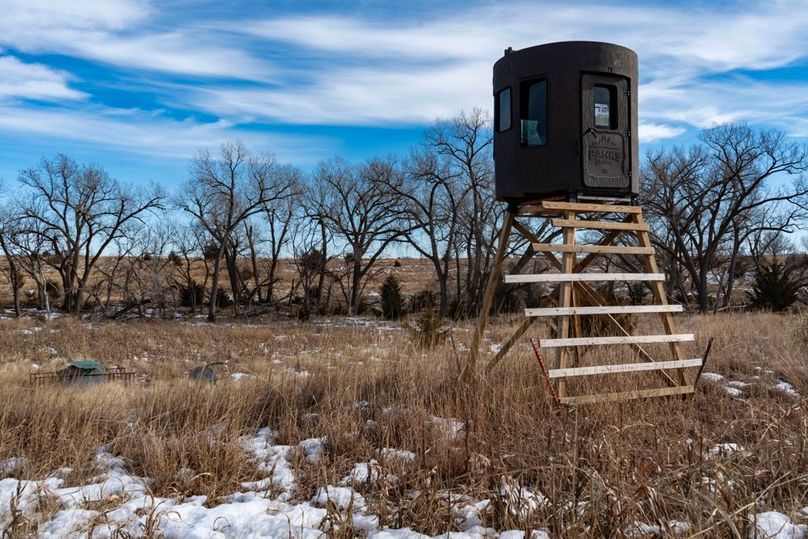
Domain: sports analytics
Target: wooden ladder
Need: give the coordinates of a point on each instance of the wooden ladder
(573, 281)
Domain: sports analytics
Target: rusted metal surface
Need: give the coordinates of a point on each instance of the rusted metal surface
(587, 144)
(703, 363)
(546, 374)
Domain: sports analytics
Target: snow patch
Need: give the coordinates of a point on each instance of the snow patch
(520, 501)
(341, 497)
(786, 388)
(712, 376)
(641, 529)
(774, 525)
(398, 455)
(450, 428)
(724, 449)
(313, 448)
(11, 465)
(363, 472)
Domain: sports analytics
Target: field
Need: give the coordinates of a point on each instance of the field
(346, 426)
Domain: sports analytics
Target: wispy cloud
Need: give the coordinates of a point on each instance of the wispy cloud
(150, 133)
(117, 32)
(33, 81)
(411, 72)
(205, 78)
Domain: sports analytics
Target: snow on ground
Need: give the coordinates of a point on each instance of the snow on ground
(9, 466)
(451, 428)
(262, 508)
(641, 529)
(363, 472)
(774, 525)
(521, 501)
(786, 388)
(390, 454)
(712, 376)
(724, 450)
(738, 388)
(358, 322)
(341, 497)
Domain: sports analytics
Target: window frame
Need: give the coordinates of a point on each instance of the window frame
(524, 110)
(614, 118)
(498, 110)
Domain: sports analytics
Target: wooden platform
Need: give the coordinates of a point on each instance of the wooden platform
(615, 221)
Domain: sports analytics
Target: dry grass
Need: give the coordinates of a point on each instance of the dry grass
(369, 387)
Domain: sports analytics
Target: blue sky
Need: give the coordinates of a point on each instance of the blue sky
(138, 85)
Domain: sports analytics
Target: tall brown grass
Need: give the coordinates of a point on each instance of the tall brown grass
(365, 388)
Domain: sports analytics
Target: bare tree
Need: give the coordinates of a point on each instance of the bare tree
(223, 193)
(306, 243)
(9, 230)
(361, 211)
(189, 243)
(465, 142)
(280, 216)
(79, 211)
(27, 241)
(109, 286)
(148, 271)
(703, 204)
(432, 194)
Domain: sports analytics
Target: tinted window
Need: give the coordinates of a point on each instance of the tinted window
(534, 113)
(605, 106)
(502, 111)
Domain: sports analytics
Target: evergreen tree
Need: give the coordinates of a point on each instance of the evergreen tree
(774, 289)
(392, 302)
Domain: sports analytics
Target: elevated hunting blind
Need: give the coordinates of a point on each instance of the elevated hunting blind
(565, 124)
(565, 121)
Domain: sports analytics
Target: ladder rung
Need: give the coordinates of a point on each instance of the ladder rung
(606, 309)
(583, 248)
(627, 395)
(575, 206)
(624, 339)
(626, 367)
(603, 225)
(581, 277)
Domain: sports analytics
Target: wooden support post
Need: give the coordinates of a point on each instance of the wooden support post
(658, 289)
(470, 370)
(565, 299)
(573, 280)
(509, 343)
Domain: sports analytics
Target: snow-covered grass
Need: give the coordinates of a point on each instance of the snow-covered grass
(380, 439)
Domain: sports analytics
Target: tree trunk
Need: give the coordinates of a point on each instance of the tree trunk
(323, 262)
(15, 286)
(733, 263)
(254, 262)
(230, 256)
(356, 279)
(704, 299)
(214, 287)
(442, 286)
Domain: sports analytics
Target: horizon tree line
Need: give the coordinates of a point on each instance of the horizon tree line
(728, 199)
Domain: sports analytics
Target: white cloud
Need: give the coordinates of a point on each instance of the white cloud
(83, 15)
(33, 81)
(650, 132)
(116, 32)
(150, 133)
(359, 96)
(414, 71)
(352, 70)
